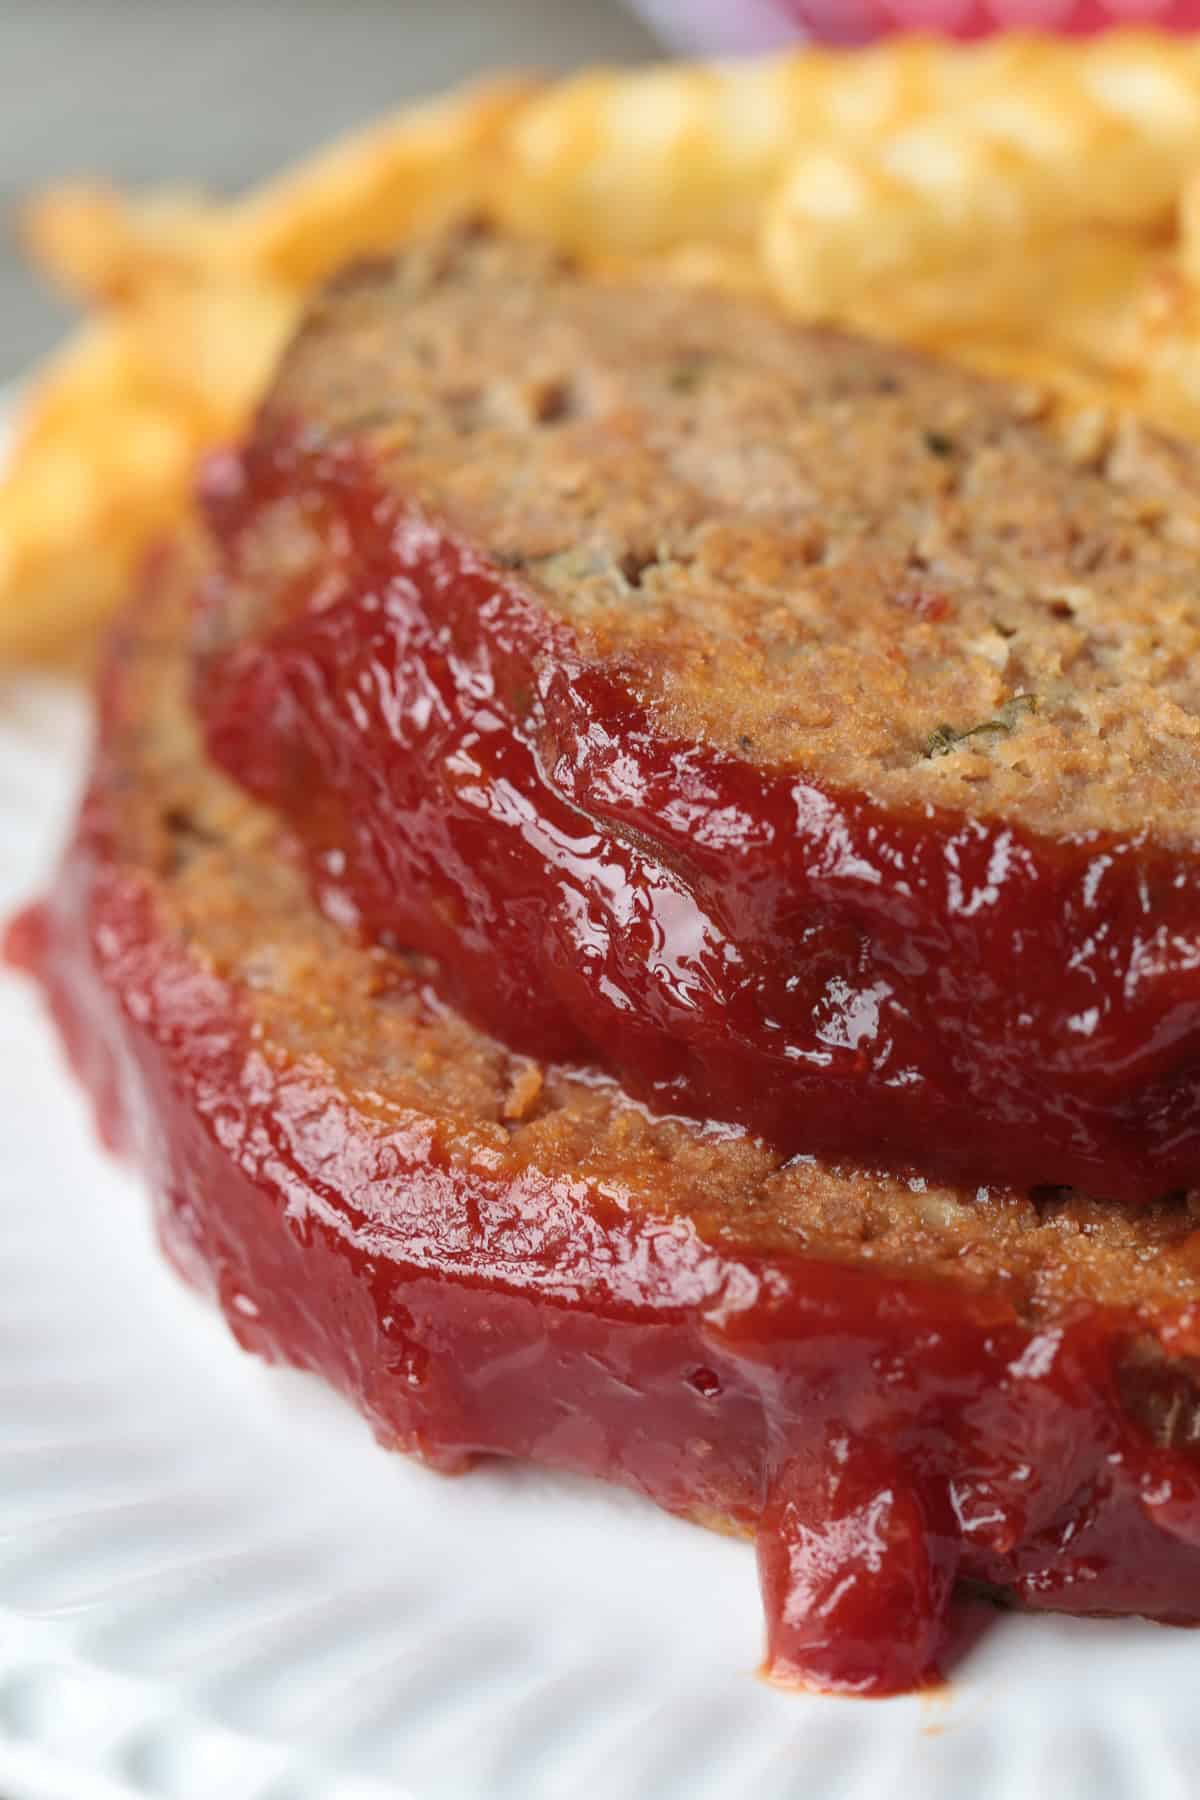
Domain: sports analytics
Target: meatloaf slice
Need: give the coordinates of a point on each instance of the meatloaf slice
(898, 1388)
(796, 726)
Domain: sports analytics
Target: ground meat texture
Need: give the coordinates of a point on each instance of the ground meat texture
(676, 678)
(983, 1387)
(811, 551)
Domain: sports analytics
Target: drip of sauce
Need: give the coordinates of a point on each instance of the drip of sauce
(884, 1438)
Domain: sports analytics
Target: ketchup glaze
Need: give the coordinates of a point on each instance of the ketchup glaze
(922, 990)
(884, 1438)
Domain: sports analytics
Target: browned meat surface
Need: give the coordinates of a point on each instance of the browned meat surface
(811, 551)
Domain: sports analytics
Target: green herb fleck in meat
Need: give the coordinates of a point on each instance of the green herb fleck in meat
(945, 738)
(685, 377)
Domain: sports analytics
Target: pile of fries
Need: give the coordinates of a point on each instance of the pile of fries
(1029, 205)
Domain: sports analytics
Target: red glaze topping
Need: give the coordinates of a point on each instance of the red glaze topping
(883, 1438)
(923, 991)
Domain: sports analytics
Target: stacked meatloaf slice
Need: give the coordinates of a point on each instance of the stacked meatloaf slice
(635, 879)
(794, 726)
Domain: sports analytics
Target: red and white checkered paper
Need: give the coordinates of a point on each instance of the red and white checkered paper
(973, 18)
(722, 27)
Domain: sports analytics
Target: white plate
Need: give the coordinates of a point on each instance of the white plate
(213, 1585)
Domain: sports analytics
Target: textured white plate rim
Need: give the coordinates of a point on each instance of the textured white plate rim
(213, 1586)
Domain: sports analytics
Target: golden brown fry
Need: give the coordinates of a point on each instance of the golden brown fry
(101, 247)
(1013, 204)
(73, 530)
(1051, 382)
(1072, 296)
(366, 191)
(202, 295)
(619, 161)
(209, 349)
(89, 373)
(369, 191)
(97, 469)
(105, 454)
(1189, 229)
(1163, 349)
(1087, 142)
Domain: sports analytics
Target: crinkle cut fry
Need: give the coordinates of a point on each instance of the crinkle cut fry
(1011, 202)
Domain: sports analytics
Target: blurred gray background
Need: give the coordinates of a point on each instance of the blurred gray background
(220, 92)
